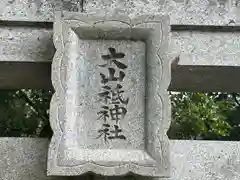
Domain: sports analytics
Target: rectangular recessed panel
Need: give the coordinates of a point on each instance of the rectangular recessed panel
(105, 96)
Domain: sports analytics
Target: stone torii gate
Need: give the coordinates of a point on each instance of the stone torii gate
(204, 33)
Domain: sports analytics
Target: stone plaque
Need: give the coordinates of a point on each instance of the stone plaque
(111, 110)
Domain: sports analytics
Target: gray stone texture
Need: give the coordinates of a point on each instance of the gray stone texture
(205, 160)
(26, 159)
(75, 148)
(182, 12)
(25, 44)
(207, 48)
(35, 10)
(196, 48)
(27, 10)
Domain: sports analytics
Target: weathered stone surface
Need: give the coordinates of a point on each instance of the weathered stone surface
(27, 10)
(35, 10)
(207, 48)
(26, 159)
(183, 12)
(197, 48)
(205, 160)
(97, 55)
(26, 44)
(200, 160)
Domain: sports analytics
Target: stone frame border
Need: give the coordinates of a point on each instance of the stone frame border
(154, 31)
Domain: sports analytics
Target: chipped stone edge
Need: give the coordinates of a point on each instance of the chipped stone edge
(159, 69)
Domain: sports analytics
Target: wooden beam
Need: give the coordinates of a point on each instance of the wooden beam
(205, 78)
(16, 75)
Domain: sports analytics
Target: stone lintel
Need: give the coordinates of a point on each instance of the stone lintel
(26, 159)
(182, 12)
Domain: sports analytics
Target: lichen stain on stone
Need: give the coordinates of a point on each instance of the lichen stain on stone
(162, 2)
(231, 168)
(222, 2)
(213, 3)
(179, 1)
(11, 1)
(146, 1)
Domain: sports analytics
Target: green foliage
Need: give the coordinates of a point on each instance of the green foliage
(201, 116)
(24, 113)
(214, 116)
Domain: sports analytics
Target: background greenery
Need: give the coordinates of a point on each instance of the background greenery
(208, 116)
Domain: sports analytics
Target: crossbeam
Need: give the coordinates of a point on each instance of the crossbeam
(26, 159)
(208, 59)
(182, 12)
(16, 75)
